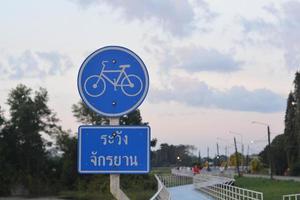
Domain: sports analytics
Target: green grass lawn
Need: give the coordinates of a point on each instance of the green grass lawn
(272, 189)
(161, 170)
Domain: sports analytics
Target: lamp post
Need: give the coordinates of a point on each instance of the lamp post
(269, 143)
(226, 149)
(242, 145)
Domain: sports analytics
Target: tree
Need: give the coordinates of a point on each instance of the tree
(279, 157)
(297, 105)
(68, 145)
(233, 159)
(256, 165)
(290, 131)
(292, 127)
(22, 145)
(85, 115)
(168, 155)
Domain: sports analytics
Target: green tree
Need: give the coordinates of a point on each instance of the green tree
(297, 117)
(279, 156)
(85, 115)
(233, 159)
(68, 145)
(256, 165)
(290, 131)
(22, 147)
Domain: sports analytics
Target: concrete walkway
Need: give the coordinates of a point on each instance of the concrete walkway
(187, 192)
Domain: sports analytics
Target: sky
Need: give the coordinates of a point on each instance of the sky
(215, 66)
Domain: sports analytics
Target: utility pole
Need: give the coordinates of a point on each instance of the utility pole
(269, 145)
(199, 157)
(237, 159)
(208, 159)
(218, 155)
(270, 154)
(247, 159)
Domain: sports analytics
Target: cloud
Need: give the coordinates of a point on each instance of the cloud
(34, 65)
(58, 64)
(175, 16)
(199, 94)
(283, 33)
(197, 59)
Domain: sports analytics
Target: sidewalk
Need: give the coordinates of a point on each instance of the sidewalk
(187, 192)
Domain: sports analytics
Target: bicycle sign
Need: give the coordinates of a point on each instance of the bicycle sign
(131, 85)
(113, 81)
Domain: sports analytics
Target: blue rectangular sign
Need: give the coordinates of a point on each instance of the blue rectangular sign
(114, 149)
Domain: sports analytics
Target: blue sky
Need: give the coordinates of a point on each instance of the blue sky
(214, 66)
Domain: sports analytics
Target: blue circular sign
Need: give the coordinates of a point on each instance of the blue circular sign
(113, 81)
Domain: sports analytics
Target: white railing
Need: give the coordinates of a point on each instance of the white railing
(162, 192)
(291, 197)
(182, 171)
(175, 180)
(221, 189)
(204, 180)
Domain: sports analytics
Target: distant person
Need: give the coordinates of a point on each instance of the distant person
(196, 170)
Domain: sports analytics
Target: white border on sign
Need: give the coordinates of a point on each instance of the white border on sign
(141, 64)
(111, 171)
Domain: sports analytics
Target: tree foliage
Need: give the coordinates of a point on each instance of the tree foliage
(291, 144)
(233, 159)
(176, 155)
(23, 153)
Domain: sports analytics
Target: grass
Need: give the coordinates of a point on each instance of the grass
(133, 194)
(161, 170)
(84, 195)
(272, 189)
(136, 187)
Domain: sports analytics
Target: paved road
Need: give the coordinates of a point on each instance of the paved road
(186, 192)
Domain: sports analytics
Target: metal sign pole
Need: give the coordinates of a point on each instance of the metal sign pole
(115, 189)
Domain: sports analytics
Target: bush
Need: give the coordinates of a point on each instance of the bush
(256, 165)
(295, 169)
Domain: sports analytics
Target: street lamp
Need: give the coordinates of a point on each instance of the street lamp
(269, 141)
(242, 145)
(226, 149)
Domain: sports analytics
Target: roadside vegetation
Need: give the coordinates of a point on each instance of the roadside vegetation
(272, 189)
(39, 158)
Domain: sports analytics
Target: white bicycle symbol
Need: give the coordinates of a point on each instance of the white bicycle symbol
(131, 85)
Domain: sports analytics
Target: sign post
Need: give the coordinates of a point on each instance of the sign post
(115, 189)
(113, 81)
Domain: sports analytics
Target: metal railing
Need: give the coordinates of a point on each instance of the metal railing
(162, 192)
(175, 180)
(221, 189)
(291, 197)
(182, 171)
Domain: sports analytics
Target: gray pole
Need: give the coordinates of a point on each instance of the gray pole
(115, 189)
(270, 154)
(237, 159)
(218, 155)
(208, 158)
